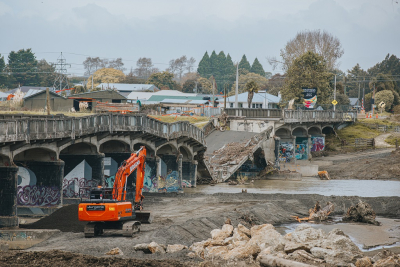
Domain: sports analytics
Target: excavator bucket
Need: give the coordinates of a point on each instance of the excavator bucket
(144, 216)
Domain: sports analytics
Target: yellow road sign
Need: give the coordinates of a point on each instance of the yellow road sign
(334, 102)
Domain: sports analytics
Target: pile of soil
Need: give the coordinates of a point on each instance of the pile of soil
(63, 258)
(64, 219)
(386, 168)
(362, 212)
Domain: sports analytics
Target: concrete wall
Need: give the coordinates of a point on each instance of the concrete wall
(255, 126)
(8, 200)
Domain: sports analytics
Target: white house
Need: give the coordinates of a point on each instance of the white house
(260, 100)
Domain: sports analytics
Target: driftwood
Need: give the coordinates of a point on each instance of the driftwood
(317, 214)
(362, 212)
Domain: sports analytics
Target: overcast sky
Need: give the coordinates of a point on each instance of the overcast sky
(167, 29)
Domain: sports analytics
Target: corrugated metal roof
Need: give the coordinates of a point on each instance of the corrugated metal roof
(353, 101)
(32, 92)
(127, 87)
(160, 98)
(96, 92)
(3, 95)
(183, 101)
(257, 98)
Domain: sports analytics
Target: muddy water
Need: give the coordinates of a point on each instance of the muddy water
(362, 188)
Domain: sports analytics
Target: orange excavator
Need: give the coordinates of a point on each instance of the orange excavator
(107, 208)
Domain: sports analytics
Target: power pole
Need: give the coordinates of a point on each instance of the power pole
(48, 100)
(213, 85)
(237, 86)
(334, 95)
(61, 80)
(224, 97)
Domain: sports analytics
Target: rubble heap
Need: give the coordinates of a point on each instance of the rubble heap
(362, 212)
(264, 243)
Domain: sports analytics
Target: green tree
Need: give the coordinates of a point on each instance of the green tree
(355, 80)
(261, 81)
(275, 84)
(383, 82)
(244, 64)
(163, 80)
(188, 86)
(389, 66)
(251, 87)
(385, 96)
(47, 73)
(204, 68)
(257, 68)
(308, 70)
(23, 66)
(3, 77)
(204, 85)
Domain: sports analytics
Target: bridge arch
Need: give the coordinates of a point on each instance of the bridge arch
(35, 154)
(283, 132)
(167, 149)
(114, 146)
(327, 129)
(150, 149)
(81, 148)
(299, 131)
(187, 155)
(314, 130)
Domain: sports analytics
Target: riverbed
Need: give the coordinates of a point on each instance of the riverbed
(362, 188)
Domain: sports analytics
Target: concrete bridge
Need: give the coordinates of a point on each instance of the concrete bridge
(45, 159)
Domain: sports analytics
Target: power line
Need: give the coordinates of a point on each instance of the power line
(61, 68)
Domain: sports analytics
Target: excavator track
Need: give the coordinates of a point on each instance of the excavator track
(93, 230)
(131, 228)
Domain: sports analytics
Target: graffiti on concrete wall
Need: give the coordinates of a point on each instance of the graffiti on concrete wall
(38, 195)
(317, 143)
(77, 183)
(150, 183)
(29, 194)
(286, 151)
(168, 183)
(15, 236)
(301, 148)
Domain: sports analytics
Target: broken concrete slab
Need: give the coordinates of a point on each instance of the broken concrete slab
(23, 239)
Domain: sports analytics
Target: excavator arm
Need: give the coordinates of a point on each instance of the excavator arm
(135, 162)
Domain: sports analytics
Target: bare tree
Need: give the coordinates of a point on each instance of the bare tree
(322, 43)
(190, 64)
(116, 64)
(91, 64)
(144, 68)
(178, 66)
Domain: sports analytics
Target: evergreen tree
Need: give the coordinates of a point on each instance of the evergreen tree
(213, 63)
(204, 66)
(257, 68)
(24, 65)
(3, 77)
(230, 72)
(220, 72)
(355, 77)
(244, 64)
(390, 66)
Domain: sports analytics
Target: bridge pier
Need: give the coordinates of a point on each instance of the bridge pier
(40, 183)
(189, 173)
(8, 193)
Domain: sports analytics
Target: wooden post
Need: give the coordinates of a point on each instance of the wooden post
(397, 144)
(48, 100)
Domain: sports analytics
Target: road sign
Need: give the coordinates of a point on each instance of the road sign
(334, 102)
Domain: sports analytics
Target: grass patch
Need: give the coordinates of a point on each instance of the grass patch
(392, 140)
(196, 120)
(379, 121)
(349, 134)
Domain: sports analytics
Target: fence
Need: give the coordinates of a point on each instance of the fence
(383, 128)
(293, 116)
(359, 143)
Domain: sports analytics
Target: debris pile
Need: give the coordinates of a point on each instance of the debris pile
(362, 212)
(223, 162)
(263, 243)
(154, 248)
(383, 258)
(318, 214)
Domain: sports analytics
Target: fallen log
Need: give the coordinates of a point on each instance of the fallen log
(316, 213)
(273, 261)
